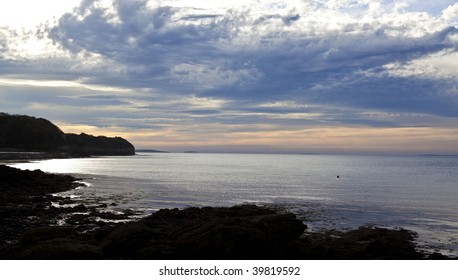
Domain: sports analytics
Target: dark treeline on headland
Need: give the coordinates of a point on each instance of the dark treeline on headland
(19, 133)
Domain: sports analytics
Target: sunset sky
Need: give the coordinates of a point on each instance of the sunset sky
(328, 76)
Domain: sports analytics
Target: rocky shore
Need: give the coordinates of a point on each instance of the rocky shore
(38, 225)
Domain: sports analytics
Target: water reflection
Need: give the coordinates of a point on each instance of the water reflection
(65, 166)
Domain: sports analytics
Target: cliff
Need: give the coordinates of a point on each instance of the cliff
(29, 134)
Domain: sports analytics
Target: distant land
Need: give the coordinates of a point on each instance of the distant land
(149, 151)
(438, 155)
(29, 137)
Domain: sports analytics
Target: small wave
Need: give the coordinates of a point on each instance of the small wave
(84, 184)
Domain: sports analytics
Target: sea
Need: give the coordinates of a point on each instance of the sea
(418, 193)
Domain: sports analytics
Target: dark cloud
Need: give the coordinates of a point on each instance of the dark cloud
(151, 46)
(3, 41)
(203, 112)
(199, 17)
(393, 95)
(55, 97)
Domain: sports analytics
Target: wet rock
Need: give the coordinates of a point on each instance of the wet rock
(64, 200)
(125, 240)
(437, 256)
(110, 215)
(36, 235)
(52, 243)
(242, 232)
(130, 212)
(361, 244)
(79, 208)
(59, 249)
(26, 194)
(100, 223)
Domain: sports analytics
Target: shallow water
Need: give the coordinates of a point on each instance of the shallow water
(418, 192)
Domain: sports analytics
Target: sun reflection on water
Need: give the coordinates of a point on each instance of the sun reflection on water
(64, 166)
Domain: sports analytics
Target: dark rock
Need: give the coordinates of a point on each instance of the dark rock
(110, 215)
(363, 243)
(130, 212)
(25, 194)
(125, 240)
(60, 249)
(242, 232)
(437, 256)
(100, 223)
(52, 243)
(79, 208)
(36, 235)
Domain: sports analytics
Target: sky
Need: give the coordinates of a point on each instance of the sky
(328, 76)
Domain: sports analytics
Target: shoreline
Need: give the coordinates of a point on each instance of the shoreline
(32, 230)
(238, 232)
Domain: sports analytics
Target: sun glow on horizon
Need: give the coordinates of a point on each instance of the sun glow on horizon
(345, 140)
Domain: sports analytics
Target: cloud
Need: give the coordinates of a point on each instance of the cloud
(239, 65)
(5, 36)
(440, 65)
(450, 14)
(175, 49)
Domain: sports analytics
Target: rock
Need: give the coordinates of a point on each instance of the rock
(53, 243)
(79, 208)
(437, 256)
(25, 194)
(60, 249)
(36, 235)
(362, 243)
(124, 241)
(242, 232)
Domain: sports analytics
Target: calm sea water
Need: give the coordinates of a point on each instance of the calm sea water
(418, 192)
